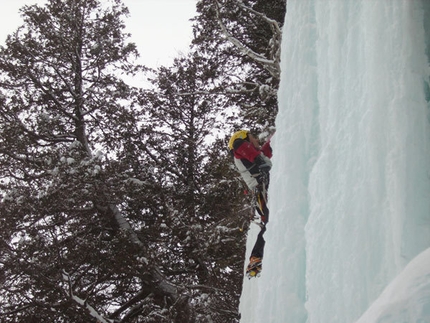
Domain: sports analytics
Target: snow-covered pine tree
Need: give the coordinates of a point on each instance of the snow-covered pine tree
(77, 195)
(201, 244)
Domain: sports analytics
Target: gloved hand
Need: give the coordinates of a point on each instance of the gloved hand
(262, 165)
(264, 168)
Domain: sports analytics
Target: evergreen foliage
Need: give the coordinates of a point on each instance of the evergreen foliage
(120, 204)
(242, 38)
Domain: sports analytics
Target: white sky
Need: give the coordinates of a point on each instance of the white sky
(160, 28)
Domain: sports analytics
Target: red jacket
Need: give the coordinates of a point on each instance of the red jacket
(245, 149)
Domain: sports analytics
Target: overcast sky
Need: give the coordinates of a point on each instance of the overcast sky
(160, 28)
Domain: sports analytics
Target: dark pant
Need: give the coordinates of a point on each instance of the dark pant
(258, 249)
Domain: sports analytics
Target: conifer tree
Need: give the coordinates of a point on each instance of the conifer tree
(203, 245)
(78, 195)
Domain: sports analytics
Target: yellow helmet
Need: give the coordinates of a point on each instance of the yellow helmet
(241, 134)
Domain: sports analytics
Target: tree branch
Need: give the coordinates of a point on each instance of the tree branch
(271, 65)
(82, 302)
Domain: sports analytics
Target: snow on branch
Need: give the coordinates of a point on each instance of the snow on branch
(123, 224)
(92, 311)
(271, 65)
(273, 23)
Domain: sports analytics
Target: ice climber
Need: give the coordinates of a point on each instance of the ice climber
(253, 163)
